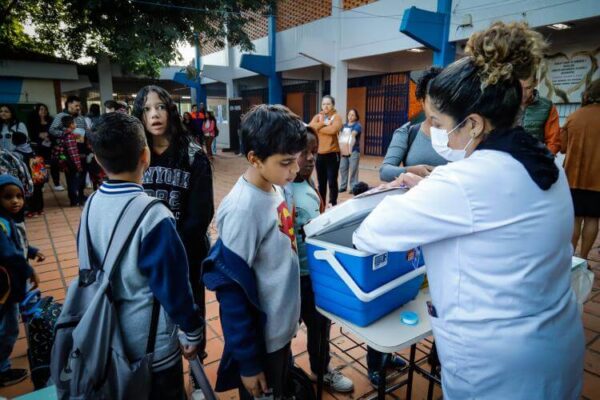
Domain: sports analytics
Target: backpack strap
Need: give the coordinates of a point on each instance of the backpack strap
(130, 220)
(131, 217)
(153, 326)
(413, 131)
(84, 242)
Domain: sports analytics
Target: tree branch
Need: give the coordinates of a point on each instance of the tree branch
(5, 12)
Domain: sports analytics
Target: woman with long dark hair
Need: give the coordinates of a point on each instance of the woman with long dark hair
(180, 173)
(495, 227)
(38, 126)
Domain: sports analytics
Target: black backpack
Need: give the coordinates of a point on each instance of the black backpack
(300, 386)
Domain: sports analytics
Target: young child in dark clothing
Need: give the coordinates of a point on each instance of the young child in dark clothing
(14, 253)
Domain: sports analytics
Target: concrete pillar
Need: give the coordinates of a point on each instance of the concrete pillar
(339, 71)
(193, 96)
(339, 86)
(230, 86)
(105, 78)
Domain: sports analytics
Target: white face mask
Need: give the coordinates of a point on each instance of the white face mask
(439, 141)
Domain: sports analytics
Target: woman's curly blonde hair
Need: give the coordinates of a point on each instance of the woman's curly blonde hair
(505, 51)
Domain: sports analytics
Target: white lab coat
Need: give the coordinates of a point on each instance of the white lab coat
(498, 256)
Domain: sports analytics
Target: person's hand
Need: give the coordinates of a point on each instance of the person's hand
(421, 170)
(39, 257)
(408, 179)
(35, 280)
(256, 385)
(44, 135)
(189, 351)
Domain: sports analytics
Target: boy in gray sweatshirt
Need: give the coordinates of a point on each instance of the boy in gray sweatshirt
(253, 267)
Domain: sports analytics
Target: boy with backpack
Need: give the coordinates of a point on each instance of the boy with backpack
(16, 271)
(253, 267)
(139, 263)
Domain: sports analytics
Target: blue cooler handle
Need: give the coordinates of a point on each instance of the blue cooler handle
(326, 255)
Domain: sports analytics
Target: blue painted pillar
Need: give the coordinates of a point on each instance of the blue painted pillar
(432, 29)
(267, 65)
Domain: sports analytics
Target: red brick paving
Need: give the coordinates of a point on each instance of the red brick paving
(55, 235)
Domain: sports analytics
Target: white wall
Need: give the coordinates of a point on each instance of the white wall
(39, 91)
(535, 12)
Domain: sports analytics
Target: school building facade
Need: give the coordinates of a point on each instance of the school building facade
(354, 50)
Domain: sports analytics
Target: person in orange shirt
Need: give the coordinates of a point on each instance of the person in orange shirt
(539, 116)
(328, 124)
(581, 140)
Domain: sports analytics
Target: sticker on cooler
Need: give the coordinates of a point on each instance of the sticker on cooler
(380, 261)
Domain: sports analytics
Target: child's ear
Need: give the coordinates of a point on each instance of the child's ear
(99, 163)
(145, 157)
(253, 159)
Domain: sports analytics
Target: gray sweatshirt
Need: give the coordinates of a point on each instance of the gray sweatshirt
(258, 227)
(420, 152)
(154, 266)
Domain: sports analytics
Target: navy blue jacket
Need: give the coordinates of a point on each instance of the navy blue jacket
(242, 319)
(11, 250)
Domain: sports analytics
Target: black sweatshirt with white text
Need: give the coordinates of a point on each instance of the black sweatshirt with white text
(188, 191)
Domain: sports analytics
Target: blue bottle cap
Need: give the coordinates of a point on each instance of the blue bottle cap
(409, 318)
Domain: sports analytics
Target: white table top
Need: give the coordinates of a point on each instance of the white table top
(388, 334)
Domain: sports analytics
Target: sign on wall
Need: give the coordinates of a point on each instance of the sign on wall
(564, 77)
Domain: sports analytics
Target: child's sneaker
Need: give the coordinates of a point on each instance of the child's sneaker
(337, 381)
(12, 376)
(59, 188)
(374, 378)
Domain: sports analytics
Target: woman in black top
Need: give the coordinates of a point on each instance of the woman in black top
(181, 175)
(37, 125)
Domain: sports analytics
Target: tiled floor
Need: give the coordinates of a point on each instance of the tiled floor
(55, 235)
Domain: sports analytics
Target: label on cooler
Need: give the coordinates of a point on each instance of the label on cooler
(380, 261)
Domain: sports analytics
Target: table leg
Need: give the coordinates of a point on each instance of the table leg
(322, 359)
(411, 368)
(382, 378)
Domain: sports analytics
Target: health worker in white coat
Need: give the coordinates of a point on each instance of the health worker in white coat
(495, 227)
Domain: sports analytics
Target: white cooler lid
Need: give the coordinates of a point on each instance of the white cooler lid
(348, 212)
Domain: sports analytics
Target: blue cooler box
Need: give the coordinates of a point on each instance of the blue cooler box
(354, 285)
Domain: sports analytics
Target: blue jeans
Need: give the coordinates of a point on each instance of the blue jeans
(9, 332)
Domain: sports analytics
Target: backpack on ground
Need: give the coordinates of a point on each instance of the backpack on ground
(88, 357)
(300, 387)
(12, 164)
(39, 315)
(39, 172)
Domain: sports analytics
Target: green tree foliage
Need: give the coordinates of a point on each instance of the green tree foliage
(140, 35)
